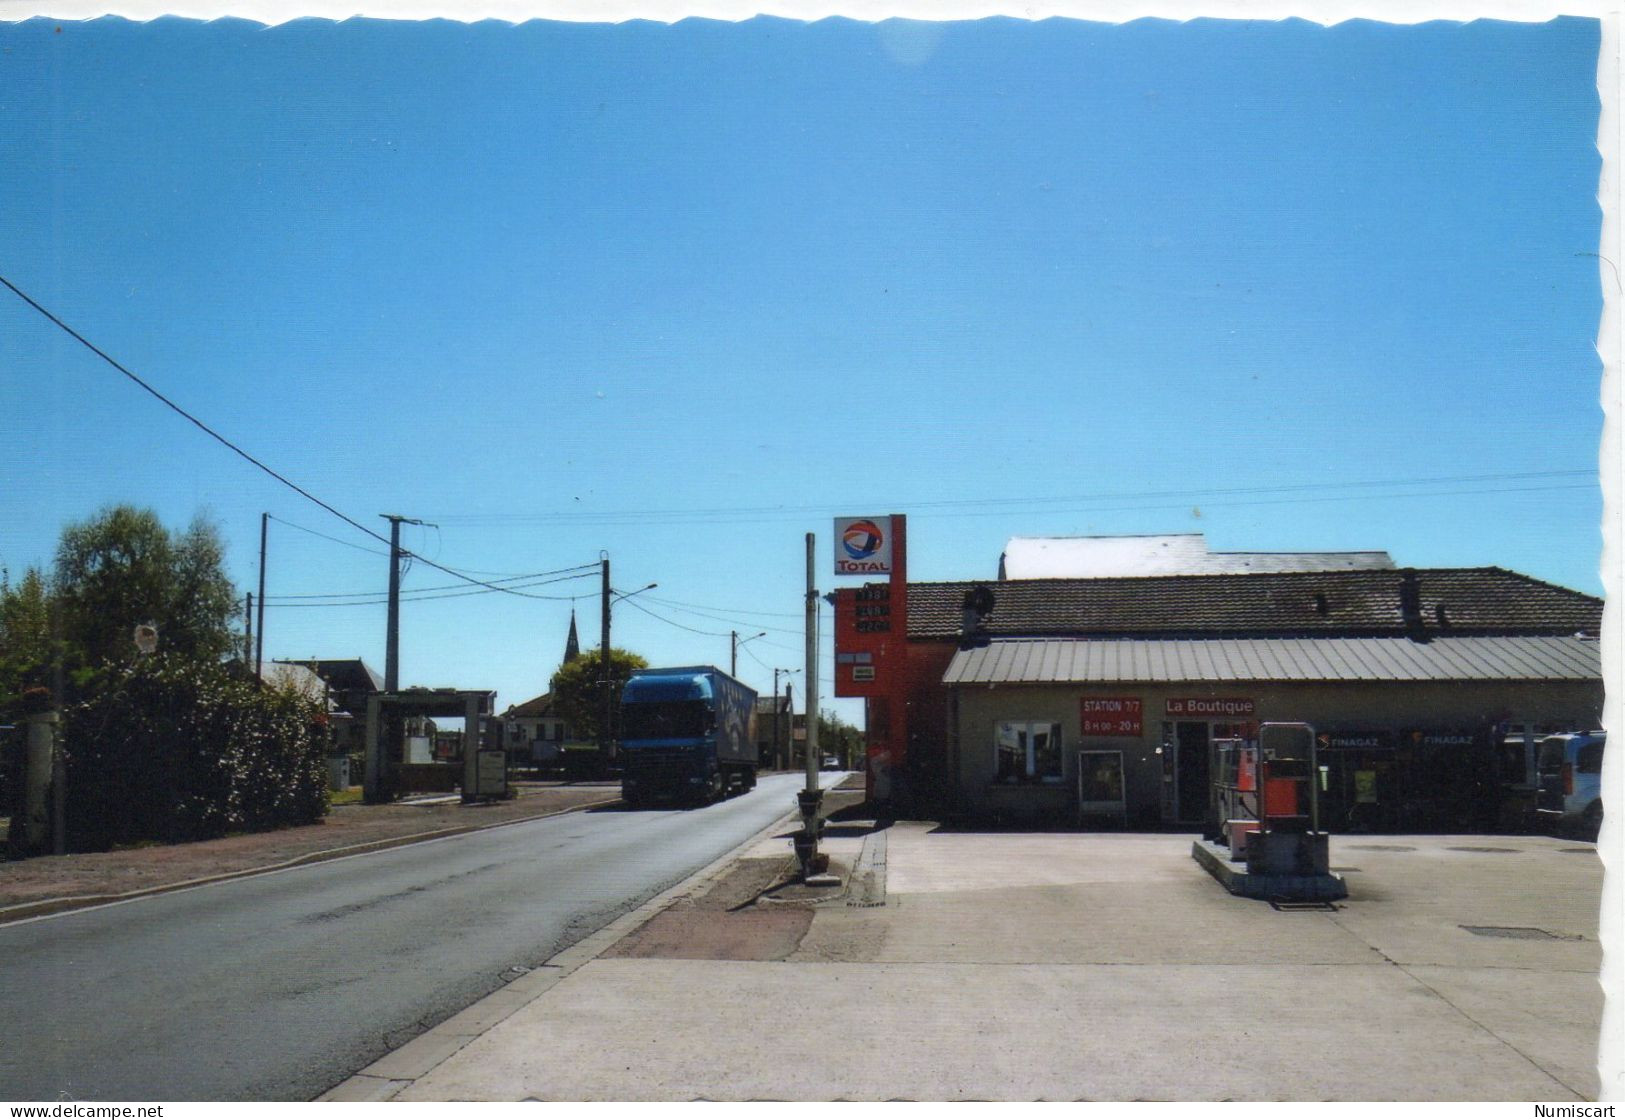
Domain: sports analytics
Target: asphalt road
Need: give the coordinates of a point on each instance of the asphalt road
(278, 986)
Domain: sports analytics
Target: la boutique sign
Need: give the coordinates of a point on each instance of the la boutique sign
(862, 546)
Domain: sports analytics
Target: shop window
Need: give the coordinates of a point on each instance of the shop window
(1027, 751)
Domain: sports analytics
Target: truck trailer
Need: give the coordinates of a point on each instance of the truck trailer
(687, 734)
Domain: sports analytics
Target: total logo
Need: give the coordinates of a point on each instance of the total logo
(862, 539)
(861, 546)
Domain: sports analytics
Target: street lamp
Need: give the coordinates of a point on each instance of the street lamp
(733, 658)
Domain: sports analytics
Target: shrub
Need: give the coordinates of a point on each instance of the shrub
(172, 749)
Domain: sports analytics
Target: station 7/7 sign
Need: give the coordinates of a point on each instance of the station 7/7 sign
(1111, 715)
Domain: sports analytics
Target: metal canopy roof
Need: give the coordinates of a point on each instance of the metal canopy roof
(1086, 661)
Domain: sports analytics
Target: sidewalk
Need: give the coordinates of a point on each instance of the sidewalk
(1024, 966)
(48, 883)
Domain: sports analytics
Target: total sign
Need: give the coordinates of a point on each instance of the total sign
(862, 546)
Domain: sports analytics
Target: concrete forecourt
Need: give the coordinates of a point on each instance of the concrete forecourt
(962, 965)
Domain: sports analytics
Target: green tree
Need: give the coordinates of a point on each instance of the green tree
(26, 642)
(122, 569)
(169, 748)
(839, 738)
(578, 691)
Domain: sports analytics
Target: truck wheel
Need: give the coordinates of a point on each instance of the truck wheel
(750, 779)
(1592, 820)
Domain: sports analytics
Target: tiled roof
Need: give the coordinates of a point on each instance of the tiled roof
(1454, 601)
(1073, 661)
(534, 707)
(343, 673)
(280, 674)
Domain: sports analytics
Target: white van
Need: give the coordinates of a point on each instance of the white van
(1571, 781)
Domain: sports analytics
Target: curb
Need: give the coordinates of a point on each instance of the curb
(45, 907)
(398, 1070)
(869, 872)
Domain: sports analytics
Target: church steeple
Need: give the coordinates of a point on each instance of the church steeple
(572, 646)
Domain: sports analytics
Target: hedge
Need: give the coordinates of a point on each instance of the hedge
(171, 750)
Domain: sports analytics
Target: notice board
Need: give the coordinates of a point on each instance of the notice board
(1100, 785)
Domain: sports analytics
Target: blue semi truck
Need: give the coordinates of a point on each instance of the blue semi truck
(687, 734)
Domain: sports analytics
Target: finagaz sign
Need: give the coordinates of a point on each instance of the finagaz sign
(1111, 715)
(862, 546)
(1202, 706)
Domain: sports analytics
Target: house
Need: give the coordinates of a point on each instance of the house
(536, 734)
(349, 683)
(774, 716)
(340, 724)
(301, 680)
(1011, 690)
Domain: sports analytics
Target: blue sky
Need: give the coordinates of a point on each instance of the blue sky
(684, 293)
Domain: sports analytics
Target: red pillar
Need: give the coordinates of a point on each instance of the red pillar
(886, 714)
(898, 671)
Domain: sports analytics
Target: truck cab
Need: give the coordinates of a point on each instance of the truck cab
(685, 735)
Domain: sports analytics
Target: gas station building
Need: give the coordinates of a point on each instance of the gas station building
(1072, 699)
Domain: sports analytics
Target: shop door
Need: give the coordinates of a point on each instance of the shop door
(1191, 770)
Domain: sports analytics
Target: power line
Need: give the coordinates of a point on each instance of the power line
(752, 655)
(736, 514)
(508, 577)
(325, 537)
(730, 610)
(212, 434)
(411, 598)
(1338, 498)
(724, 618)
(679, 625)
(535, 579)
(775, 645)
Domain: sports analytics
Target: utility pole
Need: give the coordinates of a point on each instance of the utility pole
(380, 756)
(812, 678)
(775, 717)
(259, 641)
(790, 729)
(392, 636)
(605, 744)
(809, 799)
